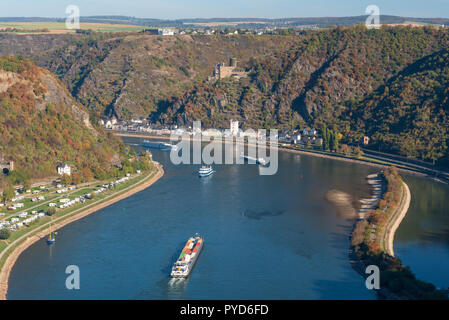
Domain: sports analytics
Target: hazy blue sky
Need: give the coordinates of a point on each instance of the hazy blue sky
(172, 9)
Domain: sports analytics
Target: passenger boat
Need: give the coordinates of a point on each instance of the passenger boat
(205, 171)
(188, 257)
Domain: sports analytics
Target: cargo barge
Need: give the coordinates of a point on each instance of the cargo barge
(188, 257)
(159, 145)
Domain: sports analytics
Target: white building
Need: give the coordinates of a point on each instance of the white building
(296, 138)
(309, 132)
(165, 32)
(234, 128)
(63, 168)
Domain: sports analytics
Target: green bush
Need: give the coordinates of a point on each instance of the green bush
(4, 234)
(185, 70)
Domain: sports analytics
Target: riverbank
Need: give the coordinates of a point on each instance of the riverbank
(396, 220)
(15, 249)
(372, 244)
(384, 164)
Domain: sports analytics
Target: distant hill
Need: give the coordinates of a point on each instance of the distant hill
(41, 125)
(242, 22)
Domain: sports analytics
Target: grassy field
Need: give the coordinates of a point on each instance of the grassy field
(60, 27)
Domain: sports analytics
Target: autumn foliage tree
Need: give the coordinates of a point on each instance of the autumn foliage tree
(66, 179)
(41, 125)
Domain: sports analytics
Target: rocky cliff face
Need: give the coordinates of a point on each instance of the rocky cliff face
(136, 75)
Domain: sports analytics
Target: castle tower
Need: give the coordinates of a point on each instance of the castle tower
(234, 127)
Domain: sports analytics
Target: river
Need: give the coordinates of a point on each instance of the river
(422, 239)
(266, 237)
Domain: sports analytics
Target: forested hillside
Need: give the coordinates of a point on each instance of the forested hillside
(41, 125)
(335, 77)
(132, 75)
(409, 114)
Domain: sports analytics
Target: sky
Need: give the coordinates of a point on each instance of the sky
(176, 9)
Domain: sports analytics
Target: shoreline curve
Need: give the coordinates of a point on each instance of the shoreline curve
(397, 219)
(31, 239)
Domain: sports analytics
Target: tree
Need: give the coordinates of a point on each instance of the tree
(330, 139)
(66, 179)
(325, 138)
(114, 172)
(346, 150)
(87, 175)
(26, 185)
(308, 143)
(4, 234)
(334, 141)
(51, 211)
(76, 178)
(8, 194)
(358, 152)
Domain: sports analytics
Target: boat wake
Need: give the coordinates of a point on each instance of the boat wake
(177, 282)
(177, 288)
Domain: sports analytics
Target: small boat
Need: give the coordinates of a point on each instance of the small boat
(205, 171)
(188, 257)
(262, 162)
(51, 237)
(259, 161)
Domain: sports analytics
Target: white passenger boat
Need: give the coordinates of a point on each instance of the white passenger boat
(205, 171)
